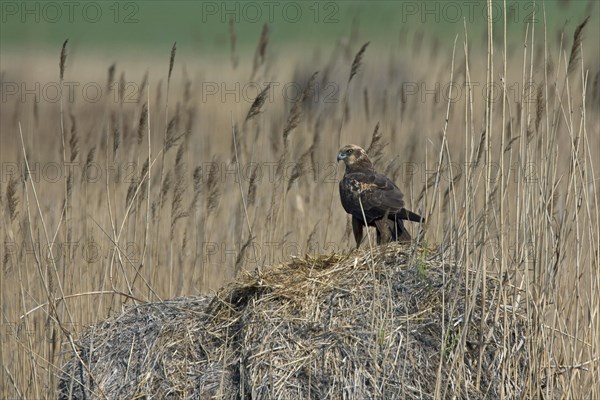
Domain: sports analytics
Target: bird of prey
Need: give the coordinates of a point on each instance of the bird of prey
(382, 202)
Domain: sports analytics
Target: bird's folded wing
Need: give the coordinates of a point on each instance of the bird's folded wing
(378, 192)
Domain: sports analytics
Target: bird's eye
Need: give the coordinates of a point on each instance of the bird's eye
(349, 151)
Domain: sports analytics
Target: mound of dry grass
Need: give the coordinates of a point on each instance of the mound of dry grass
(335, 326)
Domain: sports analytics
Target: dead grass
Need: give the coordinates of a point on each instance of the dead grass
(358, 326)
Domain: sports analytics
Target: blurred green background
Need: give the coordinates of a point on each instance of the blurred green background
(204, 25)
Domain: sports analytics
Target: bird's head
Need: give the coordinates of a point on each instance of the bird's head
(354, 156)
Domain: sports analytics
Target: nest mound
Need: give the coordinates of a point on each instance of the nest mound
(352, 327)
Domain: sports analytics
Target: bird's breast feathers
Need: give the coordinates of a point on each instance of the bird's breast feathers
(352, 189)
(361, 187)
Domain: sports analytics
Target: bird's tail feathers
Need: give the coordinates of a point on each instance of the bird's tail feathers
(410, 216)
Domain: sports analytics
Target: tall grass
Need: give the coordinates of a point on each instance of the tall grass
(185, 198)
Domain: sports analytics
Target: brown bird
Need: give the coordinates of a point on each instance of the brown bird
(382, 202)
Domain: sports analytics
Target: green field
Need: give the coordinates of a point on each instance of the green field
(204, 26)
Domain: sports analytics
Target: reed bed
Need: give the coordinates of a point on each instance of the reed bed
(162, 190)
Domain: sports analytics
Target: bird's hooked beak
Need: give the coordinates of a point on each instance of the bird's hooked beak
(341, 156)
